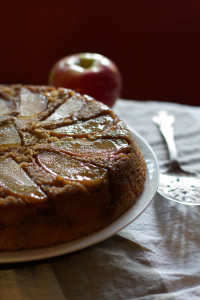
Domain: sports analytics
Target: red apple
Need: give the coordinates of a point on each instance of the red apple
(88, 73)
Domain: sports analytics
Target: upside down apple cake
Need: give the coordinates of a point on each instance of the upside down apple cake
(68, 166)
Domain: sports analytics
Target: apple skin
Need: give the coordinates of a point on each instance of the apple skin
(88, 73)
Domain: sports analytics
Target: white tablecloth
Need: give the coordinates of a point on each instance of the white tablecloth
(156, 257)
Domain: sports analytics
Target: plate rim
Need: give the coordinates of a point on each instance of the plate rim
(120, 223)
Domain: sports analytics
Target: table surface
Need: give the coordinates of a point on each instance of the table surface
(155, 257)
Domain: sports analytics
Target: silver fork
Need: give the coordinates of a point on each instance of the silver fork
(176, 183)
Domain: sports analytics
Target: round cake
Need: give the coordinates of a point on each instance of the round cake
(68, 166)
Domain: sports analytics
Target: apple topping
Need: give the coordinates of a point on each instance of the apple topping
(97, 124)
(99, 147)
(16, 182)
(4, 109)
(71, 169)
(68, 108)
(9, 136)
(31, 103)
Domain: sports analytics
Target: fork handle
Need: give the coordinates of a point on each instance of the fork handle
(165, 122)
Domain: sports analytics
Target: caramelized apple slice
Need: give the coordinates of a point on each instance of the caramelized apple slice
(31, 103)
(83, 128)
(91, 109)
(22, 122)
(4, 109)
(16, 182)
(118, 130)
(99, 147)
(68, 108)
(9, 136)
(71, 169)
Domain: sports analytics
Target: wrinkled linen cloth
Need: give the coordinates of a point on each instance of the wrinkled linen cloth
(155, 257)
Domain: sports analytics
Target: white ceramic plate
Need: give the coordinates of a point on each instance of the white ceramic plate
(135, 211)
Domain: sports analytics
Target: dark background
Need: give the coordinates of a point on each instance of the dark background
(155, 43)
